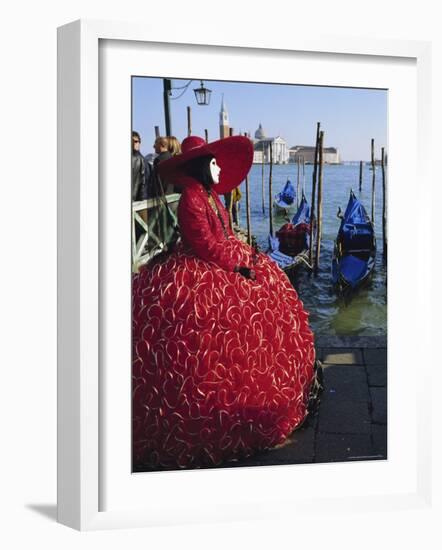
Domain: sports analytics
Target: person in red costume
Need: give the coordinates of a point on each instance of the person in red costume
(223, 356)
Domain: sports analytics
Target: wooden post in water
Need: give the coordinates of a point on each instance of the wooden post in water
(373, 182)
(189, 121)
(303, 174)
(157, 132)
(384, 208)
(319, 216)
(206, 133)
(360, 176)
(297, 182)
(230, 207)
(249, 226)
(262, 181)
(313, 203)
(271, 191)
(229, 196)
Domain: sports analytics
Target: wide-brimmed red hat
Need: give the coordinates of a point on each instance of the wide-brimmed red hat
(234, 155)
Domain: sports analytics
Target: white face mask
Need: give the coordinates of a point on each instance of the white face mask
(214, 170)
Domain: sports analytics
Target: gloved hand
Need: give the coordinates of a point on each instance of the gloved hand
(246, 272)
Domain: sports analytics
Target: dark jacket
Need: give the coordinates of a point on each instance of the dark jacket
(148, 179)
(162, 156)
(156, 186)
(138, 176)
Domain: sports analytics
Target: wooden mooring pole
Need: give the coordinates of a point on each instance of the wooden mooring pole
(384, 207)
(319, 215)
(229, 196)
(157, 132)
(206, 134)
(313, 203)
(373, 182)
(298, 182)
(189, 121)
(249, 225)
(360, 176)
(262, 182)
(271, 191)
(303, 175)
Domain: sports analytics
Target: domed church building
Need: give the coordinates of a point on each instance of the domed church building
(262, 145)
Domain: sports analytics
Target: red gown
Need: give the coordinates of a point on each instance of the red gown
(222, 365)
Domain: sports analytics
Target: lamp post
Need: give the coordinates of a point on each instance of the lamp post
(167, 88)
(202, 96)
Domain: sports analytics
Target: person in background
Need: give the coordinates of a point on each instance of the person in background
(174, 146)
(148, 176)
(174, 149)
(138, 169)
(161, 147)
(156, 188)
(236, 197)
(231, 201)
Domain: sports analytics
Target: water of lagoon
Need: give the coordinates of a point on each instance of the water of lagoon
(366, 313)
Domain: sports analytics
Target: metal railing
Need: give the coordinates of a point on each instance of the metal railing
(152, 228)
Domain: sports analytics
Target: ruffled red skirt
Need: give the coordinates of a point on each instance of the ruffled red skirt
(222, 365)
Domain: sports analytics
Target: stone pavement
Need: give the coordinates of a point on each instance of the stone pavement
(351, 423)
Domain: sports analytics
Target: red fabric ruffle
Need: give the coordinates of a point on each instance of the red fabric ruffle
(222, 365)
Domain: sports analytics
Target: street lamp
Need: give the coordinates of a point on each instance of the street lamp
(202, 94)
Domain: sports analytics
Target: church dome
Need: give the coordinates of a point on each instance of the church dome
(260, 134)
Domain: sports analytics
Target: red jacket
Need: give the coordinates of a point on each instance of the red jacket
(200, 227)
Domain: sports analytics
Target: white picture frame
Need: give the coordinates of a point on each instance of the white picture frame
(82, 297)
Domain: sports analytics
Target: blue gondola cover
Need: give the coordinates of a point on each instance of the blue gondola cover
(352, 269)
(355, 247)
(297, 233)
(287, 196)
(303, 213)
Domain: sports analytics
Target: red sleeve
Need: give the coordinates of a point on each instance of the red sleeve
(196, 231)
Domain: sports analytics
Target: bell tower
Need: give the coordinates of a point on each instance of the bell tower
(224, 125)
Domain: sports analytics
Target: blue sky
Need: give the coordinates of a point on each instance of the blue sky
(349, 117)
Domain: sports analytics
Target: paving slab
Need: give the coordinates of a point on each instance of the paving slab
(377, 375)
(379, 403)
(336, 416)
(342, 383)
(379, 437)
(343, 447)
(340, 356)
(331, 341)
(298, 448)
(376, 356)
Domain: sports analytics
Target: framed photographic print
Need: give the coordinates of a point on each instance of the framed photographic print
(224, 361)
(223, 279)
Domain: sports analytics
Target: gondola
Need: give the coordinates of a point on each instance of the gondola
(289, 247)
(285, 200)
(355, 248)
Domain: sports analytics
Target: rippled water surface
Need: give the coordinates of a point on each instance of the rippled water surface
(366, 313)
